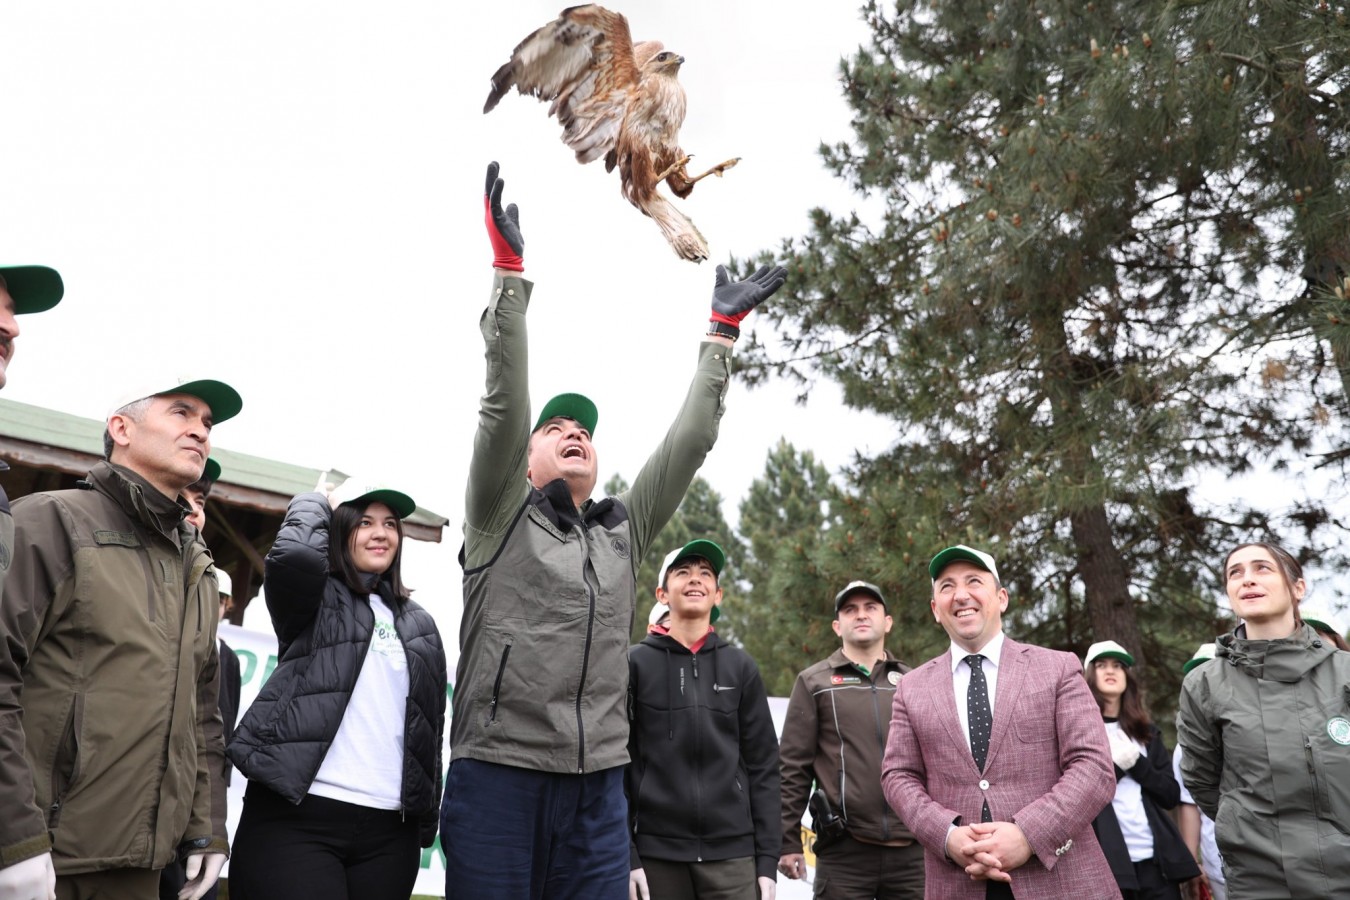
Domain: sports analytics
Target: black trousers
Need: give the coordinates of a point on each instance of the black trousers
(1152, 885)
(321, 848)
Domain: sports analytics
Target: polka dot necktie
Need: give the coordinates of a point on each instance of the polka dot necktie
(980, 717)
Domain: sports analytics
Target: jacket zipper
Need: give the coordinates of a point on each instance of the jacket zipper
(698, 749)
(1312, 776)
(881, 739)
(497, 685)
(586, 654)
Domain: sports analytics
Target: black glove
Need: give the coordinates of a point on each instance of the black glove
(733, 300)
(503, 226)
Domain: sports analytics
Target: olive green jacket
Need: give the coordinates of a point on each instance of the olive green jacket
(110, 739)
(549, 589)
(1265, 735)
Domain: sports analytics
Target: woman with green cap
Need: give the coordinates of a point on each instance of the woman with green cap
(1146, 852)
(342, 748)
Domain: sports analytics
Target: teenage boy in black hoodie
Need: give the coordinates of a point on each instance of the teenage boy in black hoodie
(703, 789)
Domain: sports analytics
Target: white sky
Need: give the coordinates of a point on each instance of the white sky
(288, 196)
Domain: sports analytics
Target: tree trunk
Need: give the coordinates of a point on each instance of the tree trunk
(1105, 582)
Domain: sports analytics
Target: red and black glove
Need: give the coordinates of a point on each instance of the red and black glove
(503, 226)
(733, 300)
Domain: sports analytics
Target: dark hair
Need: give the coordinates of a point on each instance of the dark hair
(341, 527)
(1134, 718)
(1290, 570)
(202, 486)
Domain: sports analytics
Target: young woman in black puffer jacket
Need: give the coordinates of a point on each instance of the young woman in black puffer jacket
(342, 748)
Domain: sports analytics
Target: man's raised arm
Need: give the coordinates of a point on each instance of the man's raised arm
(497, 470)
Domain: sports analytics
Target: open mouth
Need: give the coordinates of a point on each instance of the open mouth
(573, 452)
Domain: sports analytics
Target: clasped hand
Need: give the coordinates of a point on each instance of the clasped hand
(989, 850)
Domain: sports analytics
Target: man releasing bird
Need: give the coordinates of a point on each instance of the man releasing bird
(617, 100)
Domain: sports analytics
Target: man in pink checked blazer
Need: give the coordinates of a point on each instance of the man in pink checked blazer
(997, 759)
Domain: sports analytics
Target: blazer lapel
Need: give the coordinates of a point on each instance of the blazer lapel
(1012, 672)
(946, 702)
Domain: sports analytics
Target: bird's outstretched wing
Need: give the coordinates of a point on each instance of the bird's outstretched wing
(582, 63)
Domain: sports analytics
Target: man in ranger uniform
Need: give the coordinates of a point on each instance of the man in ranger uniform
(834, 735)
(110, 740)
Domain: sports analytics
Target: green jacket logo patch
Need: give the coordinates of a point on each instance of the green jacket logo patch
(1339, 729)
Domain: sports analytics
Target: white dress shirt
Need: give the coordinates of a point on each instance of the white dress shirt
(991, 652)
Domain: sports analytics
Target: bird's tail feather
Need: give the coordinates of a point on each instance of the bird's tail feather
(677, 227)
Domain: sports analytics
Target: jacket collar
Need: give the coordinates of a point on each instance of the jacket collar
(563, 513)
(837, 660)
(141, 500)
(1285, 660)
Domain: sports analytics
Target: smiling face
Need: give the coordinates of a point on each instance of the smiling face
(9, 330)
(862, 622)
(968, 603)
(691, 589)
(1260, 592)
(562, 448)
(164, 439)
(374, 542)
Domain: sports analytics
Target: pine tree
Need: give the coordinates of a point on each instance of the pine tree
(786, 517)
(1086, 292)
(699, 517)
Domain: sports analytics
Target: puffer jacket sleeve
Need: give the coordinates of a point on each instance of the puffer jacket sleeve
(297, 567)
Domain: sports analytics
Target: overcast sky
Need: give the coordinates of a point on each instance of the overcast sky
(288, 196)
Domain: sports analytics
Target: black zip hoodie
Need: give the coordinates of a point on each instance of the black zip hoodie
(703, 781)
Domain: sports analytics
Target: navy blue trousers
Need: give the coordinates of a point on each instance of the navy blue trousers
(517, 834)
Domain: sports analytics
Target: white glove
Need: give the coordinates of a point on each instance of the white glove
(202, 870)
(31, 879)
(1124, 751)
(768, 887)
(637, 885)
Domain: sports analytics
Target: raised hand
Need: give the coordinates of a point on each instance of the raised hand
(503, 225)
(733, 300)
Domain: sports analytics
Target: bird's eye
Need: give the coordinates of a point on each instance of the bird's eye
(662, 57)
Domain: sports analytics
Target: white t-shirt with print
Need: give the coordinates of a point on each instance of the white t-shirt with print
(364, 764)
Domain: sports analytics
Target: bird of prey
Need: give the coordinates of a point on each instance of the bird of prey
(615, 100)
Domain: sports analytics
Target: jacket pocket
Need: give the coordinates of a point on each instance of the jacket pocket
(66, 763)
(1034, 717)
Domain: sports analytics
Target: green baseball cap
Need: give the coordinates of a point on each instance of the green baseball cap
(224, 400)
(212, 470)
(33, 289)
(576, 407)
(359, 494)
(696, 550)
(1204, 654)
(1107, 650)
(961, 552)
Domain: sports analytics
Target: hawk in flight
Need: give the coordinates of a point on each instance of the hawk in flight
(617, 100)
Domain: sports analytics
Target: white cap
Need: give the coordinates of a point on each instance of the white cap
(223, 582)
(962, 553)
(1107, 650)
(1318, 614)
(223, 400)
(659, 609)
